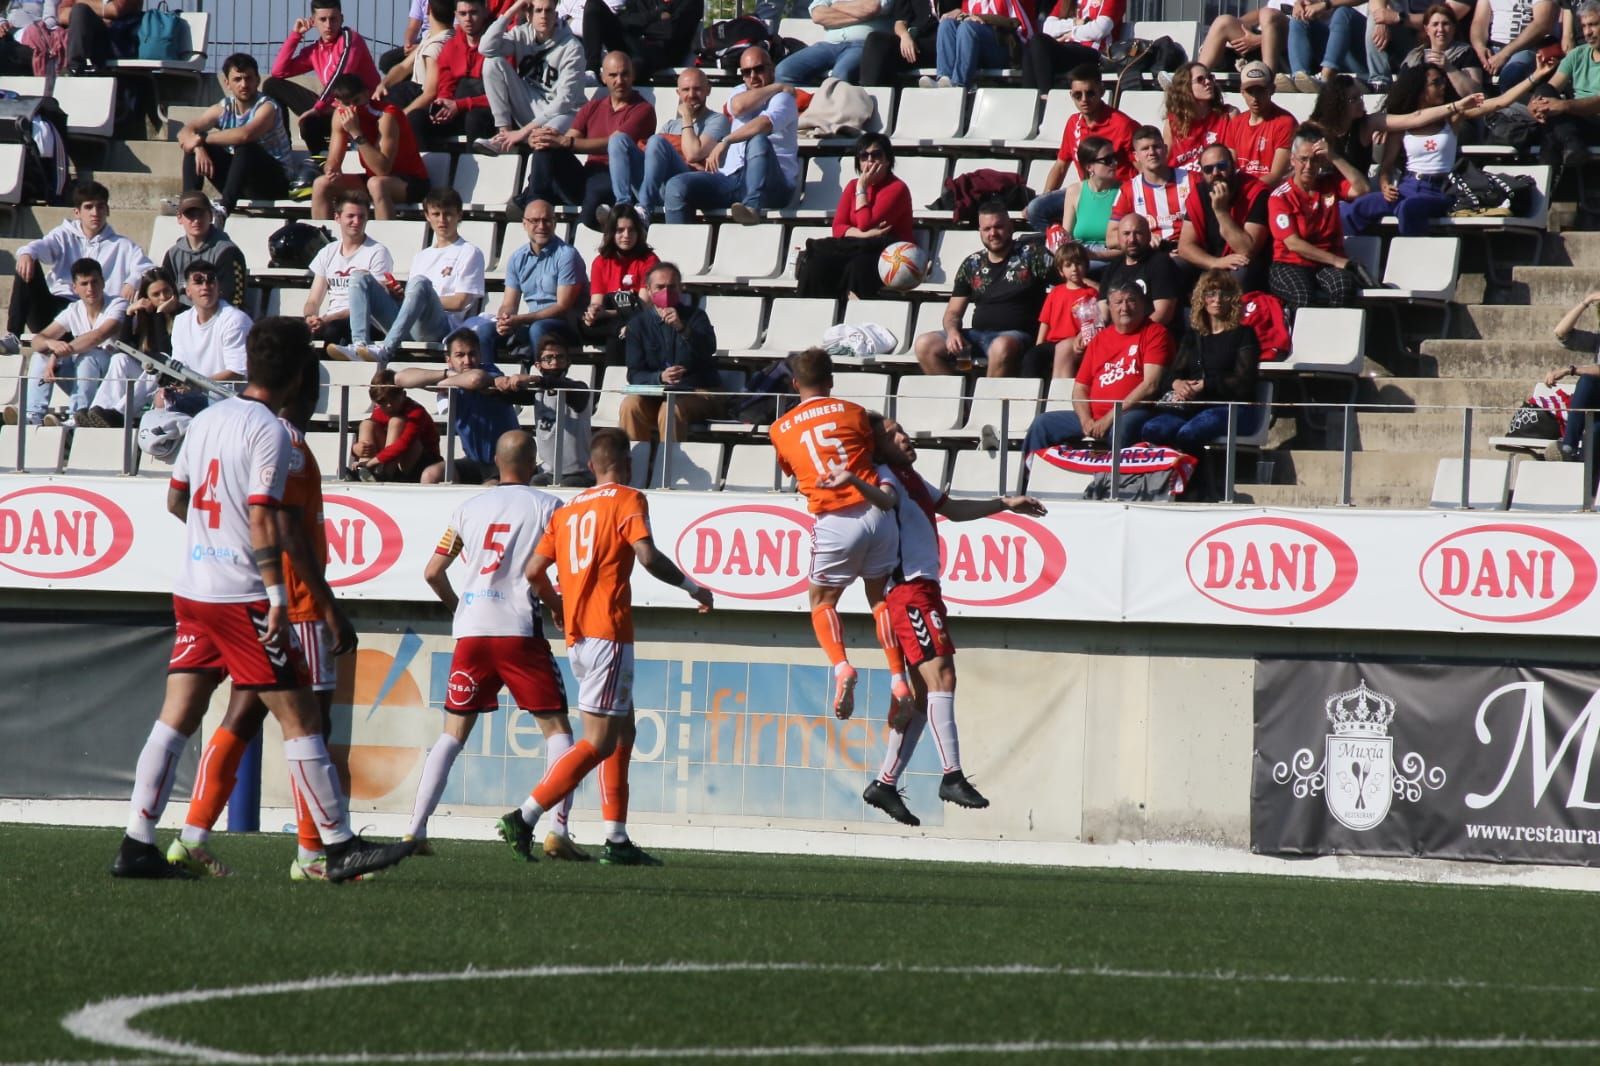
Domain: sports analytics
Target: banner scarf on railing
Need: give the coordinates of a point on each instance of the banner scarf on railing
(1138, 459)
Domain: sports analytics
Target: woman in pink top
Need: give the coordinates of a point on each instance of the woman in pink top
(874, 212)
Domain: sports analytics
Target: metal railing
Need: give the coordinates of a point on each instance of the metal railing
(1339, 424)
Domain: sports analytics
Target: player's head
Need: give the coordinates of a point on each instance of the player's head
(609, 456)
(891, 443)
(513, 457)
(88, 279)
(301, 404)
(812, 371)
(91, 206)
(277, 353)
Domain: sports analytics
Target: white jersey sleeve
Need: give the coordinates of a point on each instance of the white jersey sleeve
(235, 456)
(497, 532)
(919, 535)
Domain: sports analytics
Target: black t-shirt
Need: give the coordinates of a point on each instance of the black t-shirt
(1009, 294)
(1156, 276)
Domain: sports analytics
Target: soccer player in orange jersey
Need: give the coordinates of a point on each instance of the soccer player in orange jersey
(323, 632)
(850, 538)
(593, 542)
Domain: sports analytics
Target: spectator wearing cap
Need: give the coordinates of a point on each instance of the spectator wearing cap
(1092, 117)
(1227, 221)
(555, 172)
(203, 240)
(337, 50)
(1308, 261)
(1259, 135)
(241, 145)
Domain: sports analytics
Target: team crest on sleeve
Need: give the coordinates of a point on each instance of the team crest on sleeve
(297, 460)
(269, 474)
(1282, 221)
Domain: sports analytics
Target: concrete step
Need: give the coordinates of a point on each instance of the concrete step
(162, 158)
(1379, 479)
(1507, 322)
(132, 221)
(1573, 248)
(1560, 286)
(1428, 432)
(1445, 392)
(1513, 360)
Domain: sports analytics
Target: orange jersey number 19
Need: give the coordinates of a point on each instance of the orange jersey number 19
(580, 541)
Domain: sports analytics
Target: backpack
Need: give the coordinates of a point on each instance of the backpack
(40, 126)
(1132, 60)
(1263, 312)
(1514, 127)
(163, 34)
(723, 42)
(760, 407)
(295, 244)
(1531, 421)
(1471, 188)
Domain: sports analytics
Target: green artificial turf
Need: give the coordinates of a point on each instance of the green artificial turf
(899, 954)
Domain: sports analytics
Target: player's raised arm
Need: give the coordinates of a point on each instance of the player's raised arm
(665, 570)
(434, 572)
(968, 510)
(883, 497)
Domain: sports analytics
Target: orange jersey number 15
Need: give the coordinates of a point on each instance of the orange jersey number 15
(824, 449)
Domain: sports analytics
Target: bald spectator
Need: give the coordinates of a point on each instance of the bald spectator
(1148, 268)
(1308, 261)
(541, 84)
(337, 49)
(554, 172)
(638, 175)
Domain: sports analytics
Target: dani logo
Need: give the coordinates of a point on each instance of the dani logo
(999, 560)
(363, 541)
(62, 532)
(1271, 566)
(1502, 572)
(754, 552)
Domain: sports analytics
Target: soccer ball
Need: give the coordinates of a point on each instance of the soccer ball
(902, 266)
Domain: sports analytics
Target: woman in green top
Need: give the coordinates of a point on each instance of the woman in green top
(1087, 215)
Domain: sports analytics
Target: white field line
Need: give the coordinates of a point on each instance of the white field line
(110, 1022)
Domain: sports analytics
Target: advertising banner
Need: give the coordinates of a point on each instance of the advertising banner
(1447, 760)
(1425, 572)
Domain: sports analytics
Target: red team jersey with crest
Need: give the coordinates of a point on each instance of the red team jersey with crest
(1183, 153)
(819, 434)
(1164, 205)
(591, 540)
(1115, 127)
(1313, 216)
(1113, 366)
(1254, 147)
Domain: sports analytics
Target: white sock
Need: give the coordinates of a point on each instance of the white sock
(435, 774)
(152, 780)
(616, 832)
(899, 748)
(308, 856)
(318, 782)
(531, 811)
(942, 713)
(195, 836)
(555, 746)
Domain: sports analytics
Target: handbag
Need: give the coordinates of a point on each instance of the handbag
(163, 35)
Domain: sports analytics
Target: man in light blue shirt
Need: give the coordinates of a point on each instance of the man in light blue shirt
(754, 168)
(838, 54)
(548, 275)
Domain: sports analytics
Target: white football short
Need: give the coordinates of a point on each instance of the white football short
(316, 640)
(604, 670)
(858, 541)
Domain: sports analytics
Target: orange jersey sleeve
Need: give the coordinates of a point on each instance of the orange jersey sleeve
(303, 489)
(591, 540)
(817, 436)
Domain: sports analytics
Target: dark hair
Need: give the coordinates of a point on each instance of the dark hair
(199, 266)
(382, 382)
(444, 197)
(445, 10)
(1128, 285)
(277, 351)
(1071, 252)
(150, 277)
(1147, 133)
(350, 194)
(812, 368)
(240, 61)
(559, 337)
(347, 86)
(1090, 149)
(993, 207)
(149, 331)
(87, 268)
(609, 448)
(874, 140)
(466, 336)
(1405, 97)
(1440, 9)
(608, 237)
(90, 192)
(1085, 72)
(334, 4)
(665, 265)
(1328, 114)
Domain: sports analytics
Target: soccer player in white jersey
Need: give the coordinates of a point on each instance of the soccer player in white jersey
(498, 631)
(232, 611)
(918, 616)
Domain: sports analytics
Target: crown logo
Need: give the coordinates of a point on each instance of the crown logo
(1360, 712)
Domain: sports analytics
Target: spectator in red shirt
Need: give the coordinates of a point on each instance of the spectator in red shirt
(1227, 221)
(1158, 192)
(337, 50)
(1126, 363)
(1069, 319)
(616, 284)
(399, 441)
(1308, 261)
(554, 173)
(381, 136)
(459, 106)
(1094, 118)
(1260, 134)
(1196, 115)
(874, 212)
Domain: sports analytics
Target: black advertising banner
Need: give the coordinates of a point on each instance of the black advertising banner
(1492, 763)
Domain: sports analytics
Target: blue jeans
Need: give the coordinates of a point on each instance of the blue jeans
(1054, 427)
(1337, 42)
(1585, 398)
(78, 375)
(1420, 203)
(814, 62)
(638, 176)
(1382, 62)
(1517, 67)
(965, 46)
(527, 336)
(419, 317)
(1189, 432)
(1045, 210)
(759, 184)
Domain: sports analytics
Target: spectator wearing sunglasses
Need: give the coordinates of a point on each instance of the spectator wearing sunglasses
(1086, 216)
(1092, 117)
(1227, 221)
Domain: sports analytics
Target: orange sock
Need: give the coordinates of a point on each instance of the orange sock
(305, 825)
(830, 637)
(891, 647)
(566, 775)
(219, 769)
(614, 784)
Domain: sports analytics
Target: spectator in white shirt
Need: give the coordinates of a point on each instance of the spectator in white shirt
(327, 309)
(39, 295)
(68, 351)
(445, 289)
(209, 338)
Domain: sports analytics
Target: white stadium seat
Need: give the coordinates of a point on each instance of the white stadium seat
(1490, 480)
